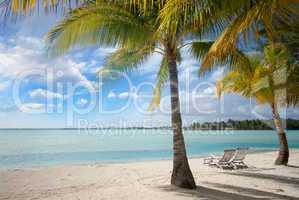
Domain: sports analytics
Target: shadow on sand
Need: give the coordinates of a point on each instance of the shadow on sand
(281, 179)
(216, 192)
(293, 166)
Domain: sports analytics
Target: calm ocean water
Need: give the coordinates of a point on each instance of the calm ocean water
(33, 148)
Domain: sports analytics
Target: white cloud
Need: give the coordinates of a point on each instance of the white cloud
(151, 65)
(102, 52)
(112, 95)
(34, 107)
(45, 94)
(209, 91)
(123, 95)
(134, 95)
(31, 106)
(82, 101)
(217, 74)
(20, 58)
(243, 109)
(31, 42)
(193, 103)
(4, 85)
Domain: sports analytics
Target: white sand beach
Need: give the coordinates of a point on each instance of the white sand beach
(150, 180)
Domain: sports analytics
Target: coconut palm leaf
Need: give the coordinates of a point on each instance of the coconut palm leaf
(278, 78)
(289, 35)
(200, 48)
(235, 58)
(237, 81)
(124, 60)
(162, 78)
(104, 24)
(25, 7)
(201, 15)
(246, 23)
(270, 80)
(293, 85)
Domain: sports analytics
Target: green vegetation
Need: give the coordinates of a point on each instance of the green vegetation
(254, 124)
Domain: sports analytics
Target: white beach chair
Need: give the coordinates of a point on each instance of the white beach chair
(224, 162)
(238, 161)
(209, 159)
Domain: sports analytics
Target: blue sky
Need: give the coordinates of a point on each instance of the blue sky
(37, 91)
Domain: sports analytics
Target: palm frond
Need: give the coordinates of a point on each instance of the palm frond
(101, 24)
(198, 15)
(200, 48)
(277, 79)
(288, 32)
(293, 85)
(162, 78)
(233, 59)
(26, 7)
(245, 23)
(235, 82)
(124, 60)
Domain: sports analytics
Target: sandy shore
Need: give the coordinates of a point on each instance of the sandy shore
(150, 180)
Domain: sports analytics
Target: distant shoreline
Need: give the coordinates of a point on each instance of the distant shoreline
(253, 124)
(140, 128)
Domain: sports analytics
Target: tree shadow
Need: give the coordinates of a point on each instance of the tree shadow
(235, 193)
(293, 166)
(259, 169)
(281, 179)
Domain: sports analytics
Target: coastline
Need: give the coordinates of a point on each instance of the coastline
(150, 180)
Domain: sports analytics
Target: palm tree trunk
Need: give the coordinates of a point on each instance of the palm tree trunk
(181, 174)
(283, 154)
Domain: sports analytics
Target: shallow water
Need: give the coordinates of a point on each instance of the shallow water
(33, 148)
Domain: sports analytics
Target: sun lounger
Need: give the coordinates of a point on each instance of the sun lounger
(238, 161)
(225, 161)
(210, 159)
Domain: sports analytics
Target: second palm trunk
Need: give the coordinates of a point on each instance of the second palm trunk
(283, 154)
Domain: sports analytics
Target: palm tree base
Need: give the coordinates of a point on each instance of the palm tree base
(282, 159)
(182, 177)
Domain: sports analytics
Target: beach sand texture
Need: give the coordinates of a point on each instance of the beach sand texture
(150, 180)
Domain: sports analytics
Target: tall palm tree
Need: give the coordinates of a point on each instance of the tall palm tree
(269, 80)
(136, 33)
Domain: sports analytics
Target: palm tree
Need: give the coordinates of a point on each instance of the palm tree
(270, 81)
(137, 35)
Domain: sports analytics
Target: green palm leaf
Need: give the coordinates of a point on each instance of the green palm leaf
(124, 60)
(245, 23)
(271, 80)
(104, 24)
(162, 78)
(200, 48)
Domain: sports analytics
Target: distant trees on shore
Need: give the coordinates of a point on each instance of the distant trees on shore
(255, 124)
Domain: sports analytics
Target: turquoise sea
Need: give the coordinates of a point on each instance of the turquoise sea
(34, 148)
